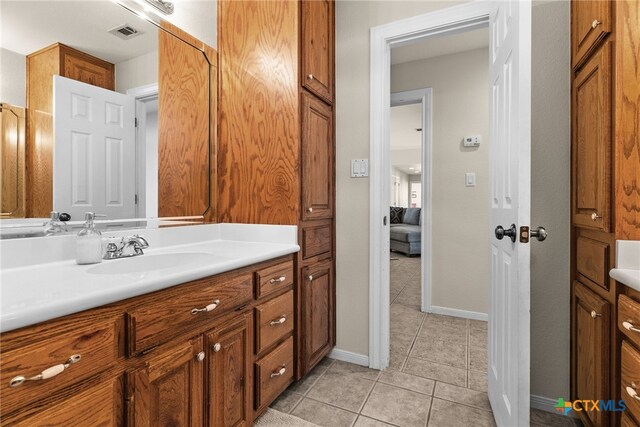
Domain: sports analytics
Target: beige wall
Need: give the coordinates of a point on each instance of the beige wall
(550, 184)
(550, 160)
(13, 80)
(135, 72)
(460, 106)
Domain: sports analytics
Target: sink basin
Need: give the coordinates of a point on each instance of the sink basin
(149, 263)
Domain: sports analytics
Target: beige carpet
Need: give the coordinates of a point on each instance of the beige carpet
(273, 418)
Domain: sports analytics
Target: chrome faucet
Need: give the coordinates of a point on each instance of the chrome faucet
(56, 224)
(126, 247)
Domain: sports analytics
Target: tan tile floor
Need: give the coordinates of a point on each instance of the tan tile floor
(437, 373)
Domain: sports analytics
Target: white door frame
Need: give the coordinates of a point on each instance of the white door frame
(450, 20)
(423, 97)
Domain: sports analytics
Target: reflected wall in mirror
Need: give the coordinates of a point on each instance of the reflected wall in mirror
(120, 114)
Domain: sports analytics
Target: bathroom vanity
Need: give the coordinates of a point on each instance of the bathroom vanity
(205, 340)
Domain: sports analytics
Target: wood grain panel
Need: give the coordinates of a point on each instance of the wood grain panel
(629, 312)
(274, 320)
(585, 36)
(317, 158)
(592, 133)
(627, 112)
(95, 341)
(183, 128)
(157, 320)
(86, 68)
(168, 390)
(630, 377)
(317, 47)
(269, 280)
(592, 260)
(229, 374)
(98, 405)
(317, 287)
(316, 239)
(12, 157)
(592, 349)
(258, 151)
(269, 381)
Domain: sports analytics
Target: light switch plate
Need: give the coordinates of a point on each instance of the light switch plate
(471, 141)
(470, 179)
(359, 168)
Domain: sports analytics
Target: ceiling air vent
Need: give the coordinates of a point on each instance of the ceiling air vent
(125, 32)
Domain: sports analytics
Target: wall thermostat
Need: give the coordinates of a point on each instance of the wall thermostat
(471, 141)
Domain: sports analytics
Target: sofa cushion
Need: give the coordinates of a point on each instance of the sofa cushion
(405, 233)
(411, 216)
(395, 215)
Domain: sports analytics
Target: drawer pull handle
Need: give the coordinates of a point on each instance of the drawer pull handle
(595, 216)
(280, 372)
(310, 210)
(595, 314)
(595, 23)
(200, 356)
(217, 347)
(629, 327)
(280, 279)
(632, 392)
(206, 309)
(47, 373)
(310, 77)
(279, 321)
(310, 277)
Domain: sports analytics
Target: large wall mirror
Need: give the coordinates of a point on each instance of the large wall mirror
(108, 107)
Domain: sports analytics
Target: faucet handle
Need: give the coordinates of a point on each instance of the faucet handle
(141, 241)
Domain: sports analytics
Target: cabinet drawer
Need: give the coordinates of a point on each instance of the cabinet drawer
(590, 22)
(316, 240)
(274, 278)
(95, 343)
(592, 260)
(165, 314)
(274, 320)
(630, 378)
(274, 373)
(629, 318)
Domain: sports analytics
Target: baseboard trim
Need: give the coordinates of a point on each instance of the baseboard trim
(348, 356)
(473, 315)
(548, 405)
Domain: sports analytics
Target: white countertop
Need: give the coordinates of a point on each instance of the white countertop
(627, 269)
(33, 292)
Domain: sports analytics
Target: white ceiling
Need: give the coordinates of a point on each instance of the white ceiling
(405, 119)
(415, 169)
(27, 26)
(438, 46)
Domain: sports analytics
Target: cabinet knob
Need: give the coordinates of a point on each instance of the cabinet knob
(200, 356)
(595, 23)
(310, 278)
(310, 210)
(631, 391)
(595, 314)
(217, 347)
(310, 76)
(595, 216)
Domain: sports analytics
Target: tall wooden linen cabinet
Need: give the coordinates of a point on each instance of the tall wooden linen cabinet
(276, 150)
(605, 199)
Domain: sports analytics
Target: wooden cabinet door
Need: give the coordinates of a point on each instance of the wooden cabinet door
(592, 133)
(317, 47)
(592, 321)
(590, 22)
(317, 159)
(228, 351)
(86, 68)
(317, 315)
(168, 390)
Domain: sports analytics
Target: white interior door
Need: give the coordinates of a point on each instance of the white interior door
(510, 86)
(94, 160)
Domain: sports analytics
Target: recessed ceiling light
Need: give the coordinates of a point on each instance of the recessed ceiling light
(411, 169)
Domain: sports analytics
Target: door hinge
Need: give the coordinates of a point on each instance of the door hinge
(135, 122)
(384, 220)
(136, 199)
